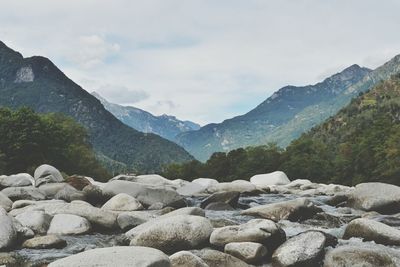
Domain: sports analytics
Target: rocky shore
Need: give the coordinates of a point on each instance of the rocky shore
(147, 220)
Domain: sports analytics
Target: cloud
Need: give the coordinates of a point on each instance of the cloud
(211, 59)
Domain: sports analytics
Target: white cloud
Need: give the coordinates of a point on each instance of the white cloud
(210, 59)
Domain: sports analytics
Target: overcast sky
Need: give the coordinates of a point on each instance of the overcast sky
(203, 60)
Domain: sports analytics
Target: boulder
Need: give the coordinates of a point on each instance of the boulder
(237, 186)
(268, 179)
(115, 256)
(25, 193)
(219, 206)
(17, 205)
(305, 249)
(186, 259)
(69, 194)
(78, 182)
(36, 220)
(122, 202)
(206, 182)
(146, 194)
(8, 233)
(42, 242)
(172, 233)
(249, 252)
(185, 211)
(260, 231)
(5, 202)
(362, 255)
(371, 230)
(95, 195)
(153, 179)
(128, 220)
(47, 174)
(215, 258)
(298, 183)
(17, 180)
(191, 189)
(68, 224)
(292, 210)
(51, 189)
(380, 197)
(230, 198)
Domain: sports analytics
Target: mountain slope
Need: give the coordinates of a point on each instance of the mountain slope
(363, 139)
(165, 126)
(37, 83)
(271, 120)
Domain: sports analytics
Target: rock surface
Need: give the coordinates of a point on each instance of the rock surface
(115, 256)
(293, 210)
(8, 233)
(230, 198)
(23, 193)
(186, 259)
(5, 202)
(258, 230)
(122, 202)
(68, 224)
(380, 197)
(41, 242)
(305, 249)
(249, 252)
(267, 179)
(172, 233)
(215, 258)
(47, 174)
(371, 230)
(36, 220)
(17, 180)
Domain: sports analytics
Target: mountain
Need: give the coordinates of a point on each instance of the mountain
(272, 120)
(165, 126)
(362, 140)
(288, 113)
(37, 83)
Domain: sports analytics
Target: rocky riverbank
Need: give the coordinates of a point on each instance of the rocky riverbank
(151, 221)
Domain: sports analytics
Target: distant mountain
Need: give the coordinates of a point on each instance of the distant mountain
(278, 119)
(37, 83)
(165, 126)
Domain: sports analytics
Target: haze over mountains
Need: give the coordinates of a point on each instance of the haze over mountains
(287, 113)
(37, 83)
(165, 126)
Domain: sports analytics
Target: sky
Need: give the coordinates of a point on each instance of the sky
(201, 60)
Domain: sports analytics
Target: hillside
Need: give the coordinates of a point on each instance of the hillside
(37, 83)
(271, 120)
(165, 126)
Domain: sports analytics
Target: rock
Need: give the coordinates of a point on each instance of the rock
(42, 242)
(185, 211)
(115, 256)
(94, 195)
(249, 252)
(219, 206)
(371, 230)
(230, 198)
(36, 220)
(24, 203)
(380, 197)
(267, 179)
(51, 189)
(261, 231)
(124, 177)
(78, 182)
(206, 182)
(69, 193)
(25, 193)
(8, 233)
(191, 189)
(17, 180)
(305, 249)
(94, 215)
(172, 233)
(221, 222)
(23, 232)
(156, 206)
(146, 194)
(8, 259)
(47, 174)
(237, 186)
(365, 256)
(298, 183)
(122, 202)
(154, 180)
(5, 202)
(68, 224)
(215, 258)
(293, 210)
(128, 220)
(186, 259)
